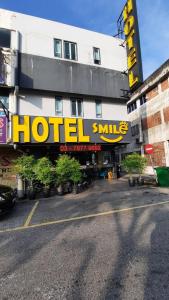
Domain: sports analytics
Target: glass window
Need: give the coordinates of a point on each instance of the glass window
(96, 56)
(135, 130)
(70, 50)
(59, 106)
(57, 48)
(73, 102)
(143, 100)
(5, 101)
(73, 51)
(98, 109)
(77, 107)
(5, 38)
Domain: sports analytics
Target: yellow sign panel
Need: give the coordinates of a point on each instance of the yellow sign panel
(27, 129)
(133, 45)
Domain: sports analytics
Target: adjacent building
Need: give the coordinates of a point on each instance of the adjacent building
(62, 90)
(148, 111)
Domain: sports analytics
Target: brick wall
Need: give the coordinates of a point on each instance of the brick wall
(164, 85)
(151, 94)
(151, 121)
(166, 114)
(158, 156)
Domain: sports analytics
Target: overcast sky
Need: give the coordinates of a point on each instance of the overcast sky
(101, 16)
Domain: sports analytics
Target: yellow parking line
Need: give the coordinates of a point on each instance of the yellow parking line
(29, 218)
(106, 213)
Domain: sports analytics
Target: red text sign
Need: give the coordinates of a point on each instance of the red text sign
(79, 148)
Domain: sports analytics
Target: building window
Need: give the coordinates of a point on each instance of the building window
(143, 100)
(59, 106)
(131, 107)
(77, 107)
(58, 48)
(98, 108)
(5, 101)
(96, 56)
(70, 50)
(5, 38)
(135, 130)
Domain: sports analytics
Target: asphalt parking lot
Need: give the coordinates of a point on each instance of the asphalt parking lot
(110, 242)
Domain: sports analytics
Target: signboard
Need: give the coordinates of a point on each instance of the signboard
(3, 129)
(148, 149)
(132, 38)
(29, 129)
(80, 148)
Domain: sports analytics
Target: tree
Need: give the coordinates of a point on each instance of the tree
(134, 163)
(24, 167)
(76, 173)
(43, 171)
(67, 169)
(63, 169)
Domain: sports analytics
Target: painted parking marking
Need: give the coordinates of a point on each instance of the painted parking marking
(30, 216)
(107, 213)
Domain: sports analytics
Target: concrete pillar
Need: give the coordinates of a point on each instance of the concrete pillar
(20, 187)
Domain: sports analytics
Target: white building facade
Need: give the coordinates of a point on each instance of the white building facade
(49, 69)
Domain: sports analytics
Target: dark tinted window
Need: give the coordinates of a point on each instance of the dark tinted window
(5, 38)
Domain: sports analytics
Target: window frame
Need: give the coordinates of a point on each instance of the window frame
(143, 100)
(132, 107)
(98, 101)
(99, 61)
(5, 101)
(55, 39)
(5, 43)
(70, 50)
(82, 112)
(61, 100)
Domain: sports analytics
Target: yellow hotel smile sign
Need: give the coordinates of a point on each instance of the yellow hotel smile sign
(28, 129)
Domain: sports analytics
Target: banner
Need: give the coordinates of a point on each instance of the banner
(3, 129)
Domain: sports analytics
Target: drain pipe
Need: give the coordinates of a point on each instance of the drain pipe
(20, 183)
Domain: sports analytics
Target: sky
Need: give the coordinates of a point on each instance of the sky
(101, 16)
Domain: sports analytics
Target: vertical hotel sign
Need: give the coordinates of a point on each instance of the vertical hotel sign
(131, 32)
(3, 129)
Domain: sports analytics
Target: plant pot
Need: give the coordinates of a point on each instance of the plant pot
(60, 190)
(53, 191)
(140, 181)
(31, 194)
(75, 189)
(131, 181)
(46, 192)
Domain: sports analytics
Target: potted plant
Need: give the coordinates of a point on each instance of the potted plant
(44, 174)
(134, 163)
(141, 165)
(76, 174)
(63, 172)
(24, 167)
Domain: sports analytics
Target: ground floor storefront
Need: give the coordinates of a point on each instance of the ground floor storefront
(95, 159)
(96, 144)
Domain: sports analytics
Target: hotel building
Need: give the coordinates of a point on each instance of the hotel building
(62, 90)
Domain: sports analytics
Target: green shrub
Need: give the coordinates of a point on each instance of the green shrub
(67, 168)
(43, 171)
(134, 163)
(24, 167)
(76, 173)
